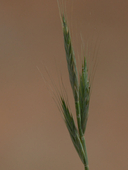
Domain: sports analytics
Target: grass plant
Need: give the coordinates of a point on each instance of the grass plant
(81, 92)
(80, 84)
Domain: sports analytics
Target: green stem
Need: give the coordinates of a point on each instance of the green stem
(81, 134)
(86, 156)
(86, 168)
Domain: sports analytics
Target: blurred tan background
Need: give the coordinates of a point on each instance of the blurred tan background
(33, 135)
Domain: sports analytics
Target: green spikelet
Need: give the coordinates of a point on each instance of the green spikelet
(84, 95)
(72, 69)
(73, 131)
(71, 61)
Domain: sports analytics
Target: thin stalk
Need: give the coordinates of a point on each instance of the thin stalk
(86, 168)
(86, 156)
(81, 134)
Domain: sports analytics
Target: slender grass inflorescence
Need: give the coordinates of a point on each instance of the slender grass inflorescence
(80, 85)
(81, 93)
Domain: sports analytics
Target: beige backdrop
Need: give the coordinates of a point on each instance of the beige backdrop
(33, 135)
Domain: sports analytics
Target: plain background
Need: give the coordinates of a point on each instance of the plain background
(33, 135)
